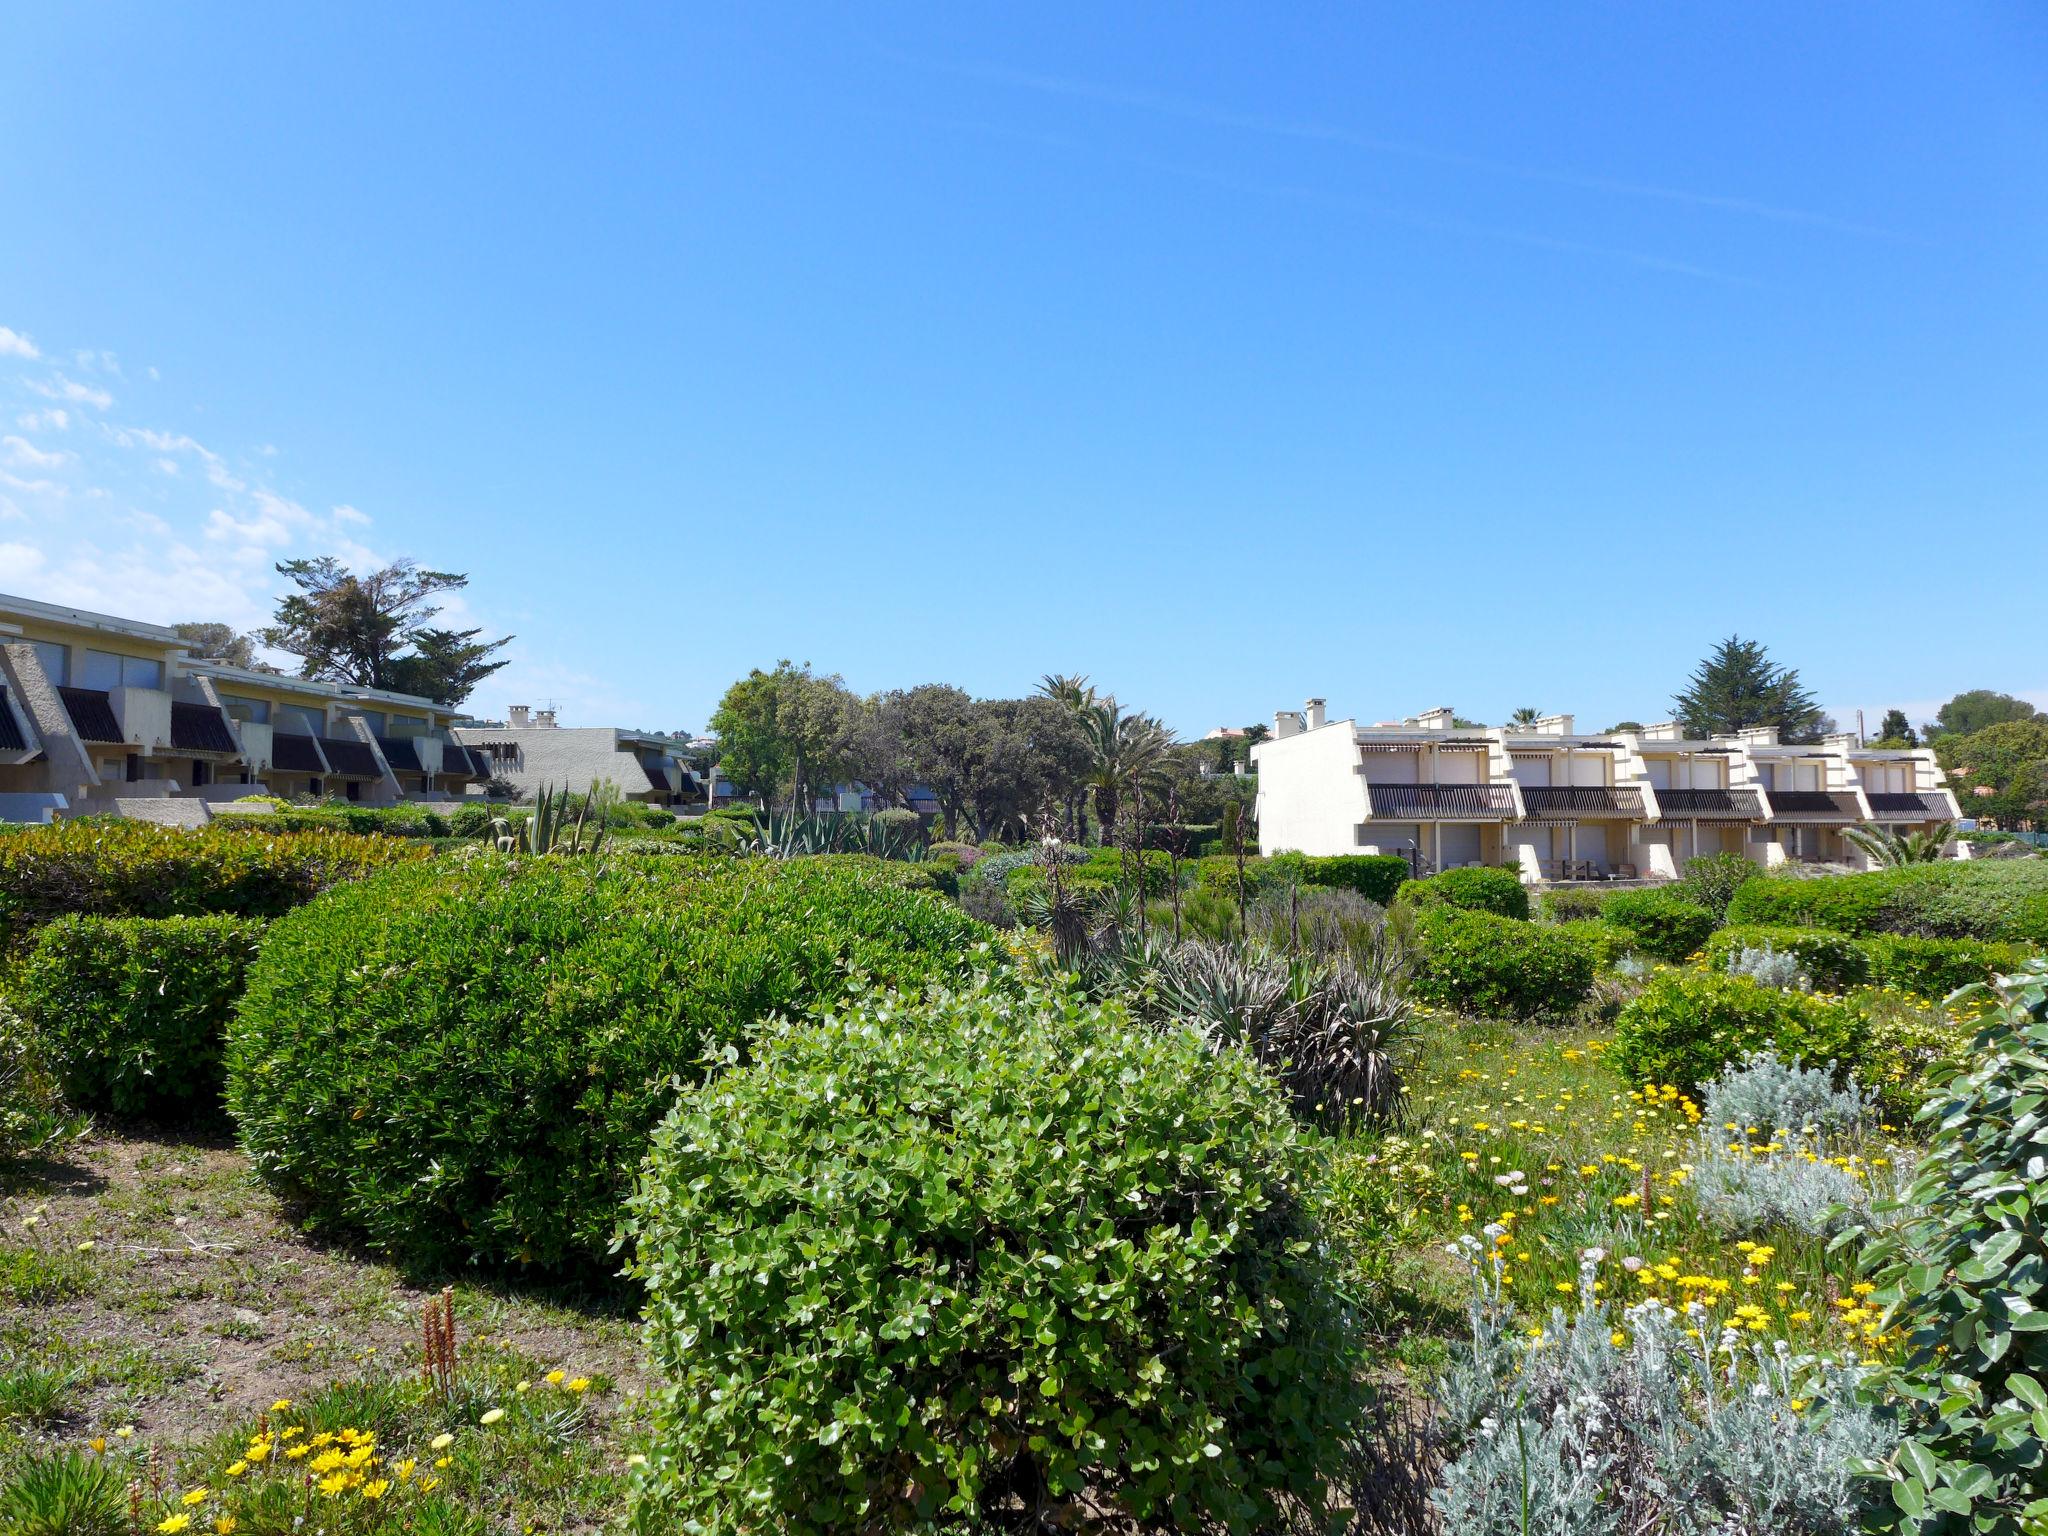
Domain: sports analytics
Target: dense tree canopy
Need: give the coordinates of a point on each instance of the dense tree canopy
(2001, 771)
(221, 642)
(377, 631)
(1895, 730)
(1739, 687)
(1970, 712)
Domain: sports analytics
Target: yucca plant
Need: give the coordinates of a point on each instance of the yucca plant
(64, 1495)
(791, 834)
(551, 829)
(1888, 850)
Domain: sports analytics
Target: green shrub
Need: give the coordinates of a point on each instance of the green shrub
(1666, 926)
(943, 871)
(1713, 879)
(1607, 942)
(31, 1108)
(1377, 877)
(1498, 967)
(134, 1010)
(967, 854)
(2000, 901)
(1685, 1026)
(463, 1060)
(1217, 874)
(403, 820)
(914, 1262)
(1833, 962)
(114, 868)
(1114, 867)
(1572, 903)
(1909, 1043)
(1936, 967)
(1965, 1278)
(1499, 891)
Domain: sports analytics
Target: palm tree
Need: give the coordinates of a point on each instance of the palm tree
(1888, 850)
(1125, 750)
(1525, 716)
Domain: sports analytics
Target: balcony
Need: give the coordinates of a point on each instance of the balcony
(1812, 805)
(295, 752)
(92, 714)
(350, 759)
(201, 730)
(1711, 804)
(1441, 802)
(1568, 802)
(1911, 807)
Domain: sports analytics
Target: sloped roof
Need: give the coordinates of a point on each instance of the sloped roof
(92, 714)
(200, 728)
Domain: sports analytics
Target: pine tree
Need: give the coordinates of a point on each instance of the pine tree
(1739, 687)
(1896, 727)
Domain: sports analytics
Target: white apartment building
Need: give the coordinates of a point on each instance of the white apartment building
(529, 751)
(1560, 804)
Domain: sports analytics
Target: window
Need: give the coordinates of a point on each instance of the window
(108, 670)
(374, 719)
(56, 660)
(406, 725)
(303, 722)
(202, 772)
(239, 708)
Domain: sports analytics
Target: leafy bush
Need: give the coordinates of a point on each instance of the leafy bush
(1498, 967)
(31, 1109)
(975, 1262)
(1833, 962)
(1966, 1279)
(65, 1493)
(135, 1009)
(1115, 867)
(1771, 968)
(1686, 1026)
(1377, 877)
(1605, 1423)
(1610, 944)
(115, 868)
(1713, 879)
(1572, 903)
(1499, 891)
(1666, 926)
(1911, 1043)
(967, 854)
(403, 820)
(1956, 900)
(988, 901)
(1933, 968)
(1320, 920)
(464, 1060)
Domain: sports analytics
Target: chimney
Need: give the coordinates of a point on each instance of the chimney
(1440, 719)
(1842, 741)
(1664, 730)
(1286, 723)
(517, 714)
(544, 719)
(1312, 716)
(1758, 736)
(1554, 725)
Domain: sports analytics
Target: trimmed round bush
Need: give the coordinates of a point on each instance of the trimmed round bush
(1936, 967)
(1686, 1026)
(1377, 877)
(1499, 891)
(1498, 967)
(1572, 903)
(1833, 962)
(134, 1010)
(942, 1266)
(1608, 943)
(1666, 926)
(2005, 902)
(462, 1061)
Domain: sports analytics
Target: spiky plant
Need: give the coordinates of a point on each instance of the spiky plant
(552, 828)
(1888, 850)
(64, 1495)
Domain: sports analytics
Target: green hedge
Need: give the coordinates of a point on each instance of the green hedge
(1686, 1026)
(1607, 942)
(1499, 891)
(915, 1260)
(1375, 876)
(114, 868)
(1498, 967)
(1572, 903)
(2006, 901)
(1833, 962)
(463, 1061)
(134, 1010)
(1933, 968)
(1666, 925)
(406, 820)
(1108, 866)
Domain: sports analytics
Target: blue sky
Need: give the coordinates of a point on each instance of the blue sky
(1407, 355)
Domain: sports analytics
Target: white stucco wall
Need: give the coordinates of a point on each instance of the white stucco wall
(1311, 796)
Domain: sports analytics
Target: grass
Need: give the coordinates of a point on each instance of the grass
(158, 1305)
(1523, 1138)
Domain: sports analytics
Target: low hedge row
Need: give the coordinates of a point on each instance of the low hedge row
(916, 1260)
(1837, 962)
(1665, 925)
(1686, 1026)
(1498, 967)
(133, 1011)
(1499, 891)
(2005, 901)
(116, 868)
(462, 1061)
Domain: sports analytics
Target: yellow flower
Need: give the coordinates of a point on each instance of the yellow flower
(237, 1468)
(225, 1525)
(124, 1431)
(327, 1461)
(580, 1384)
(173, 1523)
(98, 1443)
(376, 1490)
(441, 1442)
(281, 1405)
(1618, 1339)
(405, 1469)
(296, 1451)
(555, 1378)
(333, 1483)
(492, 1416)
(197, 1496)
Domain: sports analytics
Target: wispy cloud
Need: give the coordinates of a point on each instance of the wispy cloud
(14, 344)
(1162, 105)
(44, 421)
(19, 450)
(71, 392)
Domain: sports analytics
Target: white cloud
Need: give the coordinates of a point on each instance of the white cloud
(44, 421)
(14, 344)
(19, 563)
(25, 453)
(58, 387)
(167, 466)
(154, 374)
(347, 514)
(33, 487)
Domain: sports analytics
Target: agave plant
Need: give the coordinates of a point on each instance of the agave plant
(551, 828)
(1888, 850)
(792, 834)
